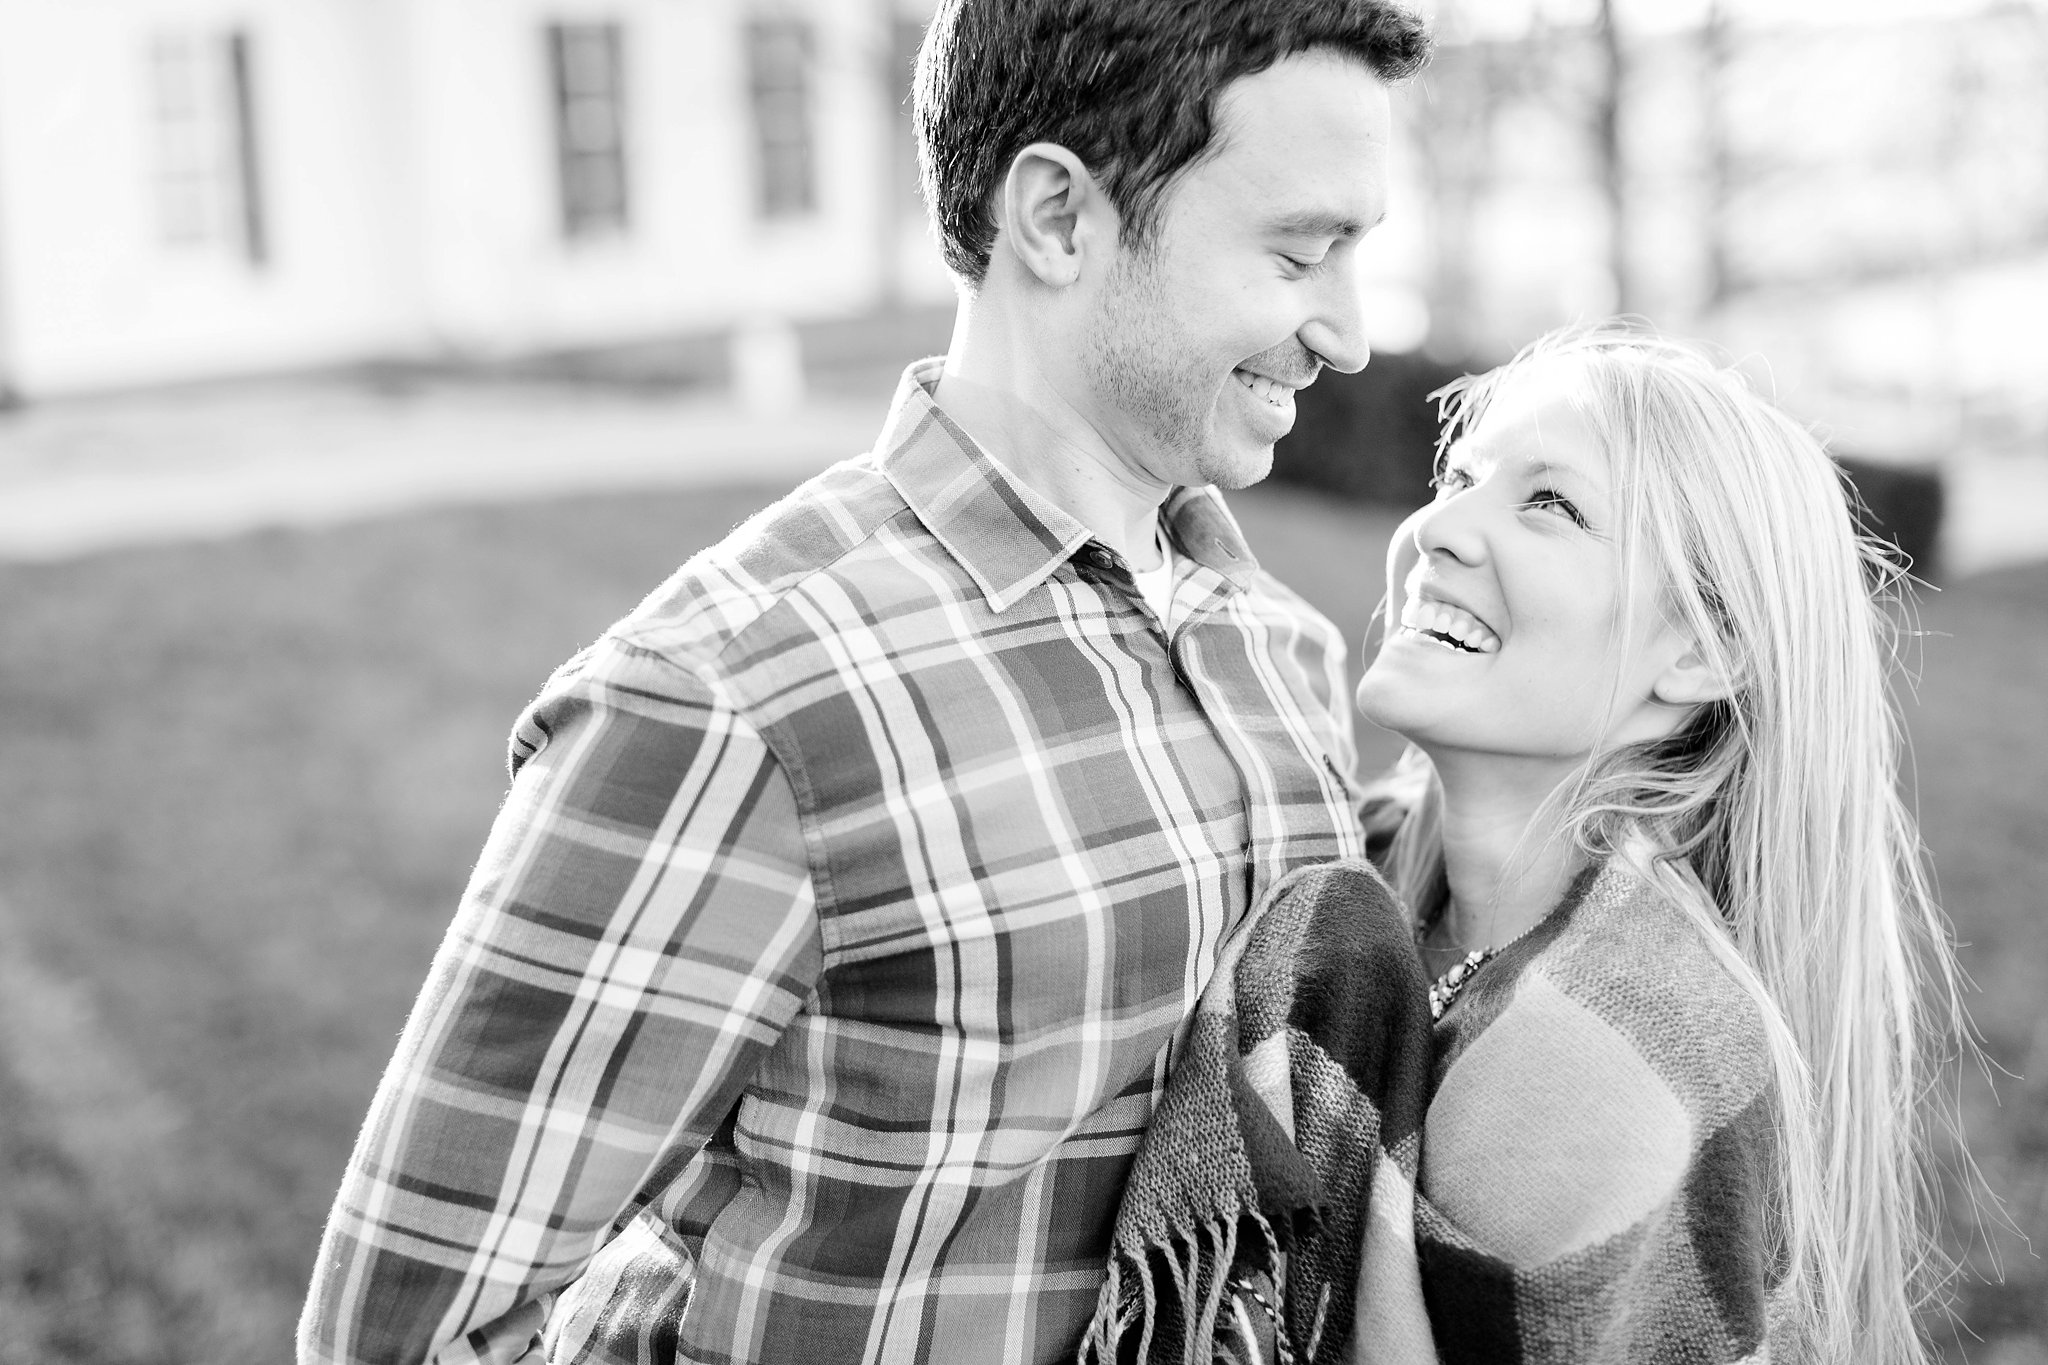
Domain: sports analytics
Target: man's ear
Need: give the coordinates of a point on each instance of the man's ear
(1053, 213)
(1690, 680)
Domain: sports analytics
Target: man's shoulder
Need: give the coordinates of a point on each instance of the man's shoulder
(723, 592)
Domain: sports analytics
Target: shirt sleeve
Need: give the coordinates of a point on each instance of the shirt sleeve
(638, 932)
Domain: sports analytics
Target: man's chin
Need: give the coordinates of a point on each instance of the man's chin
(1242, 467)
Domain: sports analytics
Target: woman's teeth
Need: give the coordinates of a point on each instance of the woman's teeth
(1272, 390)
(1449, 626)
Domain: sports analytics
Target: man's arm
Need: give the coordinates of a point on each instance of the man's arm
(636, 935)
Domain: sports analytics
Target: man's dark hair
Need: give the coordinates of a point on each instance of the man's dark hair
(1128, 86)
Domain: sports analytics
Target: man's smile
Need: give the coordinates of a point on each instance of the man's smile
(1271, 390)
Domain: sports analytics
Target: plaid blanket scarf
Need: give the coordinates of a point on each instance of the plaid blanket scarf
(1596, 1157)
(1574, 1165)
(1294, 1108)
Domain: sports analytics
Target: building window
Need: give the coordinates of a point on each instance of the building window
(779, 72)
(208, 181)
(587, 62)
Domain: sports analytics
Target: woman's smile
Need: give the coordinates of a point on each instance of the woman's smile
(1426, 617)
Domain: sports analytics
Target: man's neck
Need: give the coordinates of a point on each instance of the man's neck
(997, 389)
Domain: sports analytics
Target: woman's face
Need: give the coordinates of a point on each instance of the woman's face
(1508, 632)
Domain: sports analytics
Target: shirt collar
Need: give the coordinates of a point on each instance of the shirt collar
(1006, 535)
(1205, 531)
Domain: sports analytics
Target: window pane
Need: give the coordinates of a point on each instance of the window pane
(779, 76)
(590, 126)
(585, 60)
(202, 103)
(188, 137)
(173, 80)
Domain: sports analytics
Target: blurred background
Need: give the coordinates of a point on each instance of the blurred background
(361, 359)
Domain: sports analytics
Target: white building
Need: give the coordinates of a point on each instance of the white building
(191, 188)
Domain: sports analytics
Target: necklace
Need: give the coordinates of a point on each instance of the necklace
(1453, 981)
(1447, 986)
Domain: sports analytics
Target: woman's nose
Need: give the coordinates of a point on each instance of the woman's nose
(1453, 525)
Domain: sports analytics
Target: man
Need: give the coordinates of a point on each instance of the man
(819, 977)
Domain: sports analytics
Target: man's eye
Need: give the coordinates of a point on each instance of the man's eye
(1297, 266)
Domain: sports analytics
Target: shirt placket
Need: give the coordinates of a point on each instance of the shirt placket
(1097, 563)
(1269, 763)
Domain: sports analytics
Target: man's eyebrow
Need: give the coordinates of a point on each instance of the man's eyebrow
(1321, 223)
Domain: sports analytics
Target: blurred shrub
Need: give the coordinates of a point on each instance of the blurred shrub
(1902, 504)
(1369, 436)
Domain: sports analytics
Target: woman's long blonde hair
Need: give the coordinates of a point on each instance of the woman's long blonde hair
(1774, 817)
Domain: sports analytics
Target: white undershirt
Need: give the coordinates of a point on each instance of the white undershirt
(1156, 585)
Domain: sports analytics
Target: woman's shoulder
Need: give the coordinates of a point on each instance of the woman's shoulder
(1602, 1075)
(1629, 975)
(1634, 957)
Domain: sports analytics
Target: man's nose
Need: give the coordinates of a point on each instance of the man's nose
(1336, 330)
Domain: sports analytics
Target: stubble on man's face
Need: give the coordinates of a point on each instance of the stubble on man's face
(1148, 370)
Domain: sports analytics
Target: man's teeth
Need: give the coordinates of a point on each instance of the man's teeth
(1449, 626)
(1272, 390)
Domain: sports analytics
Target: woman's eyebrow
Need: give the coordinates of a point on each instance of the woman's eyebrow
(1539, 467)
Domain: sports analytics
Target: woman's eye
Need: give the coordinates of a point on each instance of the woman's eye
(1552, 500)
(1449, 480)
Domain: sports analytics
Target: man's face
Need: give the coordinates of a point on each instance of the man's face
(1250, 284)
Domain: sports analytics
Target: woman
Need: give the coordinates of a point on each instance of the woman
(1687, 965)
(1686, 959)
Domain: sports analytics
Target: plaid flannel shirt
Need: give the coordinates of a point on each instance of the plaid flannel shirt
(820, 974)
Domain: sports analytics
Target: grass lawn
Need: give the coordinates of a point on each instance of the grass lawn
(244, 782)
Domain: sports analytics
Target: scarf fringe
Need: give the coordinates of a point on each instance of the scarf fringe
(1199, 1264)
(1315, 1331)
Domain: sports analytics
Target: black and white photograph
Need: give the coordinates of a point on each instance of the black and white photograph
(1023, 682)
